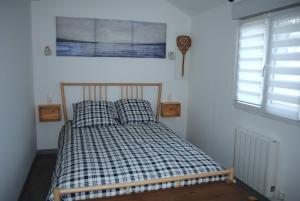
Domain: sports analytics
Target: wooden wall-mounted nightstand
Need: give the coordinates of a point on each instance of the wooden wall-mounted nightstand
(170, 109)
(49, 113)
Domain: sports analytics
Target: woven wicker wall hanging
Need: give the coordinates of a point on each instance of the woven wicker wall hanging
(184, 43)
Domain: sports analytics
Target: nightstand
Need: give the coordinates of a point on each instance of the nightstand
(49, 113)
(170, 109)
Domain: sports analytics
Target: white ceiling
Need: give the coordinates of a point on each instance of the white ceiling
(193, 7)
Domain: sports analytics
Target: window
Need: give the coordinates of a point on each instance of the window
(252, 56)
(268, 64)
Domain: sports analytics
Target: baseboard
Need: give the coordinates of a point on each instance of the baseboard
(47, 151)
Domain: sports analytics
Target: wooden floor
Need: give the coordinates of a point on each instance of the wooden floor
(39, 179)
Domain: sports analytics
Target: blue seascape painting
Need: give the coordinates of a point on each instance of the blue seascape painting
(110, 38)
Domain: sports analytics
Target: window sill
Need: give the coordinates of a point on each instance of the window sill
(260, 112)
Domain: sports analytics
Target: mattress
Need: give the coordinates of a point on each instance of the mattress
(125, 153)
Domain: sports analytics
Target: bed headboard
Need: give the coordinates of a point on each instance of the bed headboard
(110, 92)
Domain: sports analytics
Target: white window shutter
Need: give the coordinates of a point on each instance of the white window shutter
(283, 93)
(251, 61)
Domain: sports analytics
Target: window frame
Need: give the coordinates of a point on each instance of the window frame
(262, 108)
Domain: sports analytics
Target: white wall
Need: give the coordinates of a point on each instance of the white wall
(17, 133)
(49, 71)
(212, 117)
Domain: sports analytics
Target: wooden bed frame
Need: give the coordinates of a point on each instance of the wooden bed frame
(128, 91)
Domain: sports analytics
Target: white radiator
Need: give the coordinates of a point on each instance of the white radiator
(255, 161)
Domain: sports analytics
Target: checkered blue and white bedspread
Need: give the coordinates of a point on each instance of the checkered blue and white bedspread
(116, 154)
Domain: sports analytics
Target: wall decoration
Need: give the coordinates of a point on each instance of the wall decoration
(184, 42)
(110, 38)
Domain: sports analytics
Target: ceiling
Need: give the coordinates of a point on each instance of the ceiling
(193, 7)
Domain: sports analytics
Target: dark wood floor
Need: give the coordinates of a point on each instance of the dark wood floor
(39, 180)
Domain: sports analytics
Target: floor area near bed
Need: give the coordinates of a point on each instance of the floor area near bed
(39, 180)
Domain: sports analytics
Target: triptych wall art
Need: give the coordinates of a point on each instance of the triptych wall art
(110, 38)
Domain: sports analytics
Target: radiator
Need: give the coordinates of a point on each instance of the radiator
(256, 160)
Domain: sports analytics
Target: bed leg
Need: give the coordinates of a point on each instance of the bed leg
(231, 176)
(56, 194)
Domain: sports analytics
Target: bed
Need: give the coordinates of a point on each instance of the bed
(105, 161)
